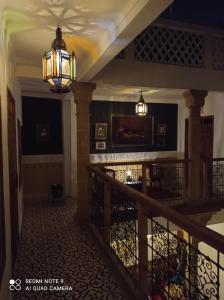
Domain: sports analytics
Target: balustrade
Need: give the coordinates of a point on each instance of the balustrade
(164, 253)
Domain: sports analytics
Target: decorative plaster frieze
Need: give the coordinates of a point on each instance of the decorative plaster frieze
(133, 156)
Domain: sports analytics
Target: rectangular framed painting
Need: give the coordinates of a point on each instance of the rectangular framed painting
(131, 130)
(42, 133)
(100, 131)
(162, 129)
(100, 145)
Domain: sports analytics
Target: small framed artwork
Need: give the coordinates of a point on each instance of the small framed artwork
(100, 145)
(162, 129)
(101, 131)
(42, 133)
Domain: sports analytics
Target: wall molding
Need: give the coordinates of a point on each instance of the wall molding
(133, 156)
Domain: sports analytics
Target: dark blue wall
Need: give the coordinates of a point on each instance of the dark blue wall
(101, 112)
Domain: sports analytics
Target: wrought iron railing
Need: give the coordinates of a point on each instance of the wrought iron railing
(164, 180)
(213, 180)
(165, 254)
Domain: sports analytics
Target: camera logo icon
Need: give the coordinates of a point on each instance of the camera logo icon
(15, 284)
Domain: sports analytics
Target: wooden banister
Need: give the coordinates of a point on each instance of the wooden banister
(195, 229)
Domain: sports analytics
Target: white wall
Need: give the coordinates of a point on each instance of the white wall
(7, 79)
(66, 116)
(214, 105)
(73, 150)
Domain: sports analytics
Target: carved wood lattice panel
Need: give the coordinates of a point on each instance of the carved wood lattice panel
(218, 53)
(164, 45)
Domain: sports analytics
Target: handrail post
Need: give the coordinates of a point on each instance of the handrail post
(107, 212)
(142, 249)
(144, 183)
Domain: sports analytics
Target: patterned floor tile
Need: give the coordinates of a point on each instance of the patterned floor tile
(54, 246)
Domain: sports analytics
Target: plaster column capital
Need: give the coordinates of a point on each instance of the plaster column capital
(195, 98)
(83, 91)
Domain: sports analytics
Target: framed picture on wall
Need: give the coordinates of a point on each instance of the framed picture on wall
(162, 129)
(42, 133)
(100, 131)
(100, 145)
(132, 130)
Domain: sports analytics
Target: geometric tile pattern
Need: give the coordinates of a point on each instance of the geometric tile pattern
(159, 44)
(53, 245)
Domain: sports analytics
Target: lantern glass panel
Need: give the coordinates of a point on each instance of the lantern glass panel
(51, 82)
(73, 67)
(48, 67)
(65, 67)
(65, 81)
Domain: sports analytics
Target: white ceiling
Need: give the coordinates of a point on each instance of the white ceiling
(95, 30)
(107, 92)
(32, 25)
(89, 27)
(132, 93)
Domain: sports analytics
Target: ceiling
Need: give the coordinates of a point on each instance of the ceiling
(109, 92)
(95, 30)
(32, 25)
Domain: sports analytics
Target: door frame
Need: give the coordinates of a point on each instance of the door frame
(2, 210)
(13, 174)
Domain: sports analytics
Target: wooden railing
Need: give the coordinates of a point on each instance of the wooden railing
(164, 253)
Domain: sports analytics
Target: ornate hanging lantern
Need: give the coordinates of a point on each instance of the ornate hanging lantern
(141, 108)
(59, 67)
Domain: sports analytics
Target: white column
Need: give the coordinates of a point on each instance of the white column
(73, 150)
(66, 117)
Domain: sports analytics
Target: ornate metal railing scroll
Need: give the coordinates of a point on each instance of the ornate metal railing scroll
(166, 254)
(124, 231)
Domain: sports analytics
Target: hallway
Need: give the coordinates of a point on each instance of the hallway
(54, 246)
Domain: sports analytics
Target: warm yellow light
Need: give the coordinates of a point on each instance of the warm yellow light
(59, 67)
(141, 108)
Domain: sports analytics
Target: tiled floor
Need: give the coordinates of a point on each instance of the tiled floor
(54, 246)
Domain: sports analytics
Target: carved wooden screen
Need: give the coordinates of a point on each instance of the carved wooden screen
(2, 218)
